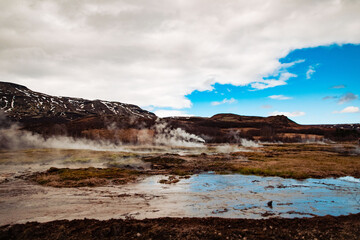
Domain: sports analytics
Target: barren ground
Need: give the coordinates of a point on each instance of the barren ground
(85, 168)
(343, 227)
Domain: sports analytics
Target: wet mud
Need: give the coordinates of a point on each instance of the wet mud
(202, 195)
(162, 193)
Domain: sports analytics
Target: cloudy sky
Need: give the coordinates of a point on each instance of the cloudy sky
(299, 58)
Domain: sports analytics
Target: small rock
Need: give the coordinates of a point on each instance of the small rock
(138, 234)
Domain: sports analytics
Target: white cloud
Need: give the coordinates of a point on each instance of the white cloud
(229, 101)
(350, 109)
(310, 72)
(155, 53)
(171, 113)
(290, 64)
(288, 114)
(279, 97)
(269, 83)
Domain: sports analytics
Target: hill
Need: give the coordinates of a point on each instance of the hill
(19, 102)
(126, 123)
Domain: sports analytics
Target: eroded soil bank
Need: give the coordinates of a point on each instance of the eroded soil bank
(327, 227)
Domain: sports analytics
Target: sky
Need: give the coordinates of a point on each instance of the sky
(298, 58)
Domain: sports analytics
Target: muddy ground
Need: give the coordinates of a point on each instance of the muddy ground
(297, 161)
(95, 169)
(327, 227)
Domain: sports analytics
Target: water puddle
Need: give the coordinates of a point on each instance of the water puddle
(240, 196)
(203, 195)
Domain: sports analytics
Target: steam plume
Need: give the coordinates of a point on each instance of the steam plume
(11, 137)
(176, 137)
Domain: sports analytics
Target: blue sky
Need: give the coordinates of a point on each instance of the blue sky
(327, 81)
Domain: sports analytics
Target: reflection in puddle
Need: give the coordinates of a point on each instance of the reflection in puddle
(240, 196)
(203, 195)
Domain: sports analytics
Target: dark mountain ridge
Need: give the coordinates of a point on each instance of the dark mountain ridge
(19, 102)
(126, 123)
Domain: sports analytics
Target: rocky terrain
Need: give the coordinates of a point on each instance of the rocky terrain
(76, 117)
(19, 103)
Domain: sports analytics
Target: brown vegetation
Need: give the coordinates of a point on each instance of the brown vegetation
(296, 161)
(82, 177)
(301, 161)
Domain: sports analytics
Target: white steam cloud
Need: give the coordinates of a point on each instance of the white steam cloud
(231, 148)
(176, 137)
(14, 138)
(249, 143)
(11, 137)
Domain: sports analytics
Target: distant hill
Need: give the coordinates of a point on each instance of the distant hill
(231, 128)
(228, 127)
(50, 115)
(127, 123)
(19, 102)
(279, 121)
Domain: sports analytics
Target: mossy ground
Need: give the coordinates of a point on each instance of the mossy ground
(301, 161)
(298, 161)
(66, 177)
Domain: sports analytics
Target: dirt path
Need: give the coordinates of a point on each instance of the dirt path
(343, 227)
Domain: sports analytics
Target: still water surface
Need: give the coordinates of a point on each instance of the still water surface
(203, 195)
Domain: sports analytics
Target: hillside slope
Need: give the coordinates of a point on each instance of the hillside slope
(125, 123)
